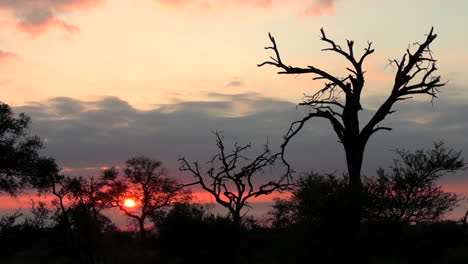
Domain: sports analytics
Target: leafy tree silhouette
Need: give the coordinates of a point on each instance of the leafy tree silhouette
(146, 182)
(40, 215)
(316, 199)
(20, 163)
(408, 191)
(339, 102)
(87, 195)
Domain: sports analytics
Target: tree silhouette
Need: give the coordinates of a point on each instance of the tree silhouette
(20, 163)
(317, 207)
(61, 187)
(339, 102)
(410, 195)
(230, 181)
(320, 199)
(87, 201)
(408, 191)
(87, 194)
(40, 215)
(283, 214)
(146, 182)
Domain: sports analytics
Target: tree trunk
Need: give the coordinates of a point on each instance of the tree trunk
(236, 219)
(237, 239)
(354, 159)
(141, 224)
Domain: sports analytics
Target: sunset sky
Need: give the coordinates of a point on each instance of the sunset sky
(104, 80)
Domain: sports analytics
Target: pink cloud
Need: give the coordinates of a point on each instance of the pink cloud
(37, 16)
(319, 8)
(314, 8)
(6, 55)
(217, 3)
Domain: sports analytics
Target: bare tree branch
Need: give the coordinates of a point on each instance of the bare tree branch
(412, 66)
(295, 70)
(230, 177)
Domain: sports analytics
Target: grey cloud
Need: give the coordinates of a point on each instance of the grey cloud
(108, 131)
(235, 84)
(34, 16)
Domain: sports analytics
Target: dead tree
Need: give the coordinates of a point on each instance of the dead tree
(339, 101)
(230, 177)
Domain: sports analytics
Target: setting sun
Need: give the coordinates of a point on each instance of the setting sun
(129, 203)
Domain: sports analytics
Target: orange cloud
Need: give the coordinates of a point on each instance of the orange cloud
(175, 3)
(82, 169)
(36, 16)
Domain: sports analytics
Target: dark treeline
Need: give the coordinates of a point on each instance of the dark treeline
(395, 216)
(402, 222)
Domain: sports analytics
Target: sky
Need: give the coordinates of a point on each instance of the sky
(105, 80)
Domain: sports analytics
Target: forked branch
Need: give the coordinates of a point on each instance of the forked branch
(414, 76)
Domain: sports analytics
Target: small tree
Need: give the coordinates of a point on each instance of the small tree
(321, 199)
(283, 214)
(405, 193)
(408, 192)
(87, 194)
(229, 181)
(61, 187)
(40, 215)
(317, 200)
(20, 163)
(145, 181)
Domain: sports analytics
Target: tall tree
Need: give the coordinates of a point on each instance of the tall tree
(339, 101)
(145, 182)
(20, 163)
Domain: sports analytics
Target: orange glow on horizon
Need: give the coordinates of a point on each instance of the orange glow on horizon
(22, 201)
(129, 203)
